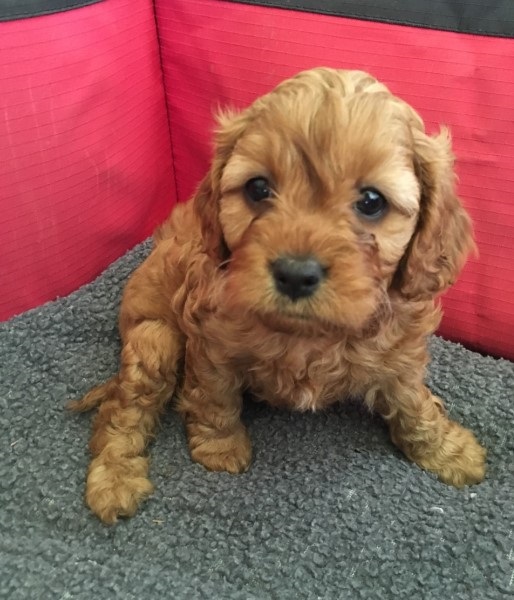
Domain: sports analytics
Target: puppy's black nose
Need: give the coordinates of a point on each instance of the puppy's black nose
(297, 277)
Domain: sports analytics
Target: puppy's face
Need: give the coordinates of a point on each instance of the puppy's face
(319, 199)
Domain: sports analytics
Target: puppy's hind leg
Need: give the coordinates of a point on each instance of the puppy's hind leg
(419, 426)
(129, 407)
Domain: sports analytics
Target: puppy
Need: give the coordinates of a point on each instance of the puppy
(305, 269)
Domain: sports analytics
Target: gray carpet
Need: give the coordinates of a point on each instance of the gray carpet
(329, 509)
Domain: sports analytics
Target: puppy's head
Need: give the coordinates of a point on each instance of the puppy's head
(325, 196)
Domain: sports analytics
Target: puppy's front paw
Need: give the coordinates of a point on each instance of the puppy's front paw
(116, 489)
(232, 453)
(459, 461)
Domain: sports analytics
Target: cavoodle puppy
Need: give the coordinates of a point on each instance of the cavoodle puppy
(305, 269)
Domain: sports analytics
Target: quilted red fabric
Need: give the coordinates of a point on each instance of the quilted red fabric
(85, 158)
(90, 161)
(217, 53)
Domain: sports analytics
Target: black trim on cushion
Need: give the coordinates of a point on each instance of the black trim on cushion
(481, 17)
(21, 9)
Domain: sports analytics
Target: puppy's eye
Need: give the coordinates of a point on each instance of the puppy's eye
(258, 189)
(371, 205)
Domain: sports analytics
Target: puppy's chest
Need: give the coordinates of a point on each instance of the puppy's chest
(300, 376)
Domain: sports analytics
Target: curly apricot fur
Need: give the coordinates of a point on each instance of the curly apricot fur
(203, 309)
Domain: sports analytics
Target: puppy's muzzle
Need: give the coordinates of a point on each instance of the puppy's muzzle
(297, 277)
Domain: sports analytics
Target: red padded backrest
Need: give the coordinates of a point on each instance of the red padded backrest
(85, 158)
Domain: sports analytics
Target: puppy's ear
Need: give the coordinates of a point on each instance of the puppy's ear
(206, 201)
(443, 237)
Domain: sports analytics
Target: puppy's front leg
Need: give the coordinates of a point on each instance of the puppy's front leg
(211, 405)
(130, 405)
(420, 427)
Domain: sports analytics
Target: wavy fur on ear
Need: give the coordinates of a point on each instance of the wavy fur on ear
(206, 201)
(443, 237)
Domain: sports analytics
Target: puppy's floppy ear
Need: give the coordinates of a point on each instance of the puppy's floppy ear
(206, 201)
(443, 237)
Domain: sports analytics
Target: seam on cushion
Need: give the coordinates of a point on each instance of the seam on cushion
(46, 12)
(351, 15)
(168, 119)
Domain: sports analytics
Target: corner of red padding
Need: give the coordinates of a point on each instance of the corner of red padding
(85, 159)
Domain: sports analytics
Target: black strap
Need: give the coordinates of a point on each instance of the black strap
(21, 9)
(481, 17)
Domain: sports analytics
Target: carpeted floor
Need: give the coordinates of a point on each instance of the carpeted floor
(329, 509)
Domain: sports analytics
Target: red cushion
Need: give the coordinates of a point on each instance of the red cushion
(216, 52)
(85, 160)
